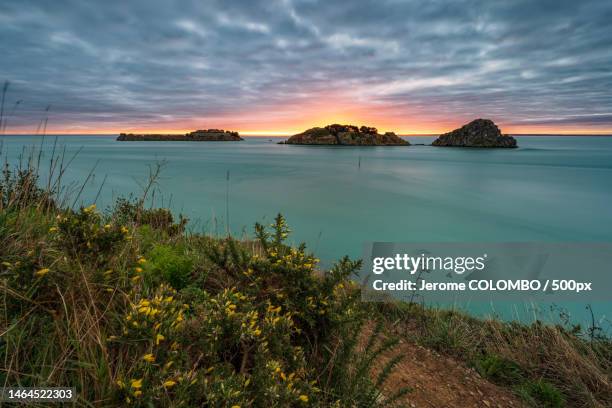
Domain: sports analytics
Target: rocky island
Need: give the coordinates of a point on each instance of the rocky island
(209, 135)
(346, 135)
(477, 133)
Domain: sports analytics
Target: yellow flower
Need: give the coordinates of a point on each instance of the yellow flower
(138, 269)
(141, 260)
(169, 383)
(145, 310)
(53, 229)
(41, 272)
(121, 384)
(107, 226)
(136, 383)
(159, 338)
(304, 398)
(149, 358)
(256, 332)
(89, 209)
(235, 406)
(274, 309)
(137, 393)
(124, 229)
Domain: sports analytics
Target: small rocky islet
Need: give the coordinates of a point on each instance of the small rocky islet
(346, 135)
(477, 133)
(208, 135)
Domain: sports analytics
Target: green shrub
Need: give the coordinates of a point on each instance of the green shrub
(499, 370)
(84, 235)
(542, 394)
(168, 263)
(133, 212)
(19, 188)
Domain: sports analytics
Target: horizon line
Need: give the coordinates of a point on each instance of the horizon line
(278, 134)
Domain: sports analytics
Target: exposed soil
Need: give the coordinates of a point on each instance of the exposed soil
(442, 382)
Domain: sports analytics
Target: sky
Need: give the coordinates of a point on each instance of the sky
(282, 66)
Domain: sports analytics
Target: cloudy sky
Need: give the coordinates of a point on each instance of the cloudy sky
(279, 66)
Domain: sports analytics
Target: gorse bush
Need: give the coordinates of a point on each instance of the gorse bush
(133, 211)
(83, 234)
(129, 309)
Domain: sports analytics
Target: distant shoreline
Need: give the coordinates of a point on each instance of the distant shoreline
(285, 136)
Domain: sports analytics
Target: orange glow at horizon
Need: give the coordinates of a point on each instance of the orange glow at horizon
(288, 131)
(294, 118)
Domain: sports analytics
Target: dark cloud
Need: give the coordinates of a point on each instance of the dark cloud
(105, 64)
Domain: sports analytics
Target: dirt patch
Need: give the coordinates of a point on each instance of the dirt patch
(441, 382)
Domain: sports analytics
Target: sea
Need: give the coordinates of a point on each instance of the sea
(550, 189)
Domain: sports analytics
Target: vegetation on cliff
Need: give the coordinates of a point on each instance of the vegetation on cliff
(129, 308)
(554, 366)
(346, 135)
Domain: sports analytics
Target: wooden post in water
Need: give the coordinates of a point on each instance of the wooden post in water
(227, 219)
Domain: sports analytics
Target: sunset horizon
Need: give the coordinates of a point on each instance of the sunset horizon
(258, 127)
(281, 67)
(285, 133)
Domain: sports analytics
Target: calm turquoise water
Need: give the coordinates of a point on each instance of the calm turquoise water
(553, 189)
